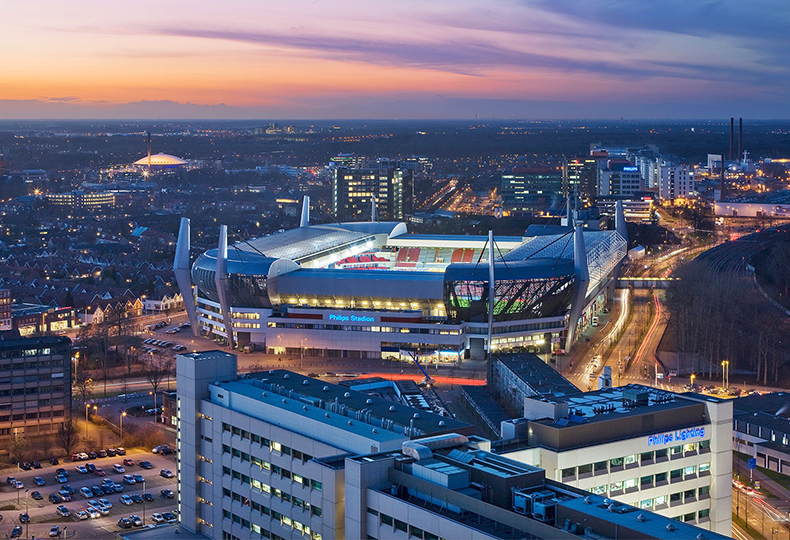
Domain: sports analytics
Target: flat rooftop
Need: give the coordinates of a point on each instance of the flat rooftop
(538, 375)
(303, 389)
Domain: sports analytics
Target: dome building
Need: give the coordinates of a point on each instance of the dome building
(161, 161)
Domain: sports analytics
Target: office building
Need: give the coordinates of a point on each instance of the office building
(652, 449)
(82, 200)
(761, 430)
(372, 290)
(265, 453)
(676, 182)
(619, 178)
(5, 309)
(532, 189)
(35, 386)
(390, 185)
(451, 486)
(580, 176)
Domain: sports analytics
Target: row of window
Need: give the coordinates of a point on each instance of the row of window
(354, 328)
(32, 390)
(311, 510)
(19, 353)
(646, 458)
(398, 525)
(31, 416)
(38, 364)
(276, 492)
(265, 533)
(273, 446)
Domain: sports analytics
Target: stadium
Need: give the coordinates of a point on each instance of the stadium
(373, 290)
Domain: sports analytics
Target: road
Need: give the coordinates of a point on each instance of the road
(42, 513)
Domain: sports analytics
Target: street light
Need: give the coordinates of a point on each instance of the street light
(87, 408)
(122, 415)
(692, 381)
(143, 501)
(724, 368)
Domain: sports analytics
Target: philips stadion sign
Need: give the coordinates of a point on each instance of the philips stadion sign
(350, 318)
(676, 437)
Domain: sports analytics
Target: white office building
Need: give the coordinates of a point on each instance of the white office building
(676, 181)
(659, 451)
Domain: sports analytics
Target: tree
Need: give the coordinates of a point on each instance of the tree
(19, 447)
(67, 436)
(158, 369)
(83, 386)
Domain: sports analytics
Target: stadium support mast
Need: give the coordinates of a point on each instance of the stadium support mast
(181, 271)
(305, 220)
(580, 283)
(619, 221)
(221, 282)
(491, 300)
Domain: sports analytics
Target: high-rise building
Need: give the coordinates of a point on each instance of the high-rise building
(35, 390)
(620, 178)
(676, 181)
(532, 189)
(580, 175)
(5, 309)
(390, 185)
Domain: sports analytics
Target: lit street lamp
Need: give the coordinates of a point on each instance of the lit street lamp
(122, 415)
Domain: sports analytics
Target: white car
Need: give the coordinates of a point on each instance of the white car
(118, 468)
(127, 500)
(82, 469)
(157, 518)
(105, 503)
(86, 492)
(93, 513)
(128, 478)
(19, 485)
(81, 514)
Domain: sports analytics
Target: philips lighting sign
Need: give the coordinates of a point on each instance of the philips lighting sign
(630, 169)
(679, 436)
(350, 318)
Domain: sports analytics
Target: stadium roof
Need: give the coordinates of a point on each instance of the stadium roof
(161, 160)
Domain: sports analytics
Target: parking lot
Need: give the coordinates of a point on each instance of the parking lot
(43, 513)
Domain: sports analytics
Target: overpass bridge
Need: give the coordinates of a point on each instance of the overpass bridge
(644, 282)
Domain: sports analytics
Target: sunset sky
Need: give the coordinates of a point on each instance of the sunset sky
(386, 59)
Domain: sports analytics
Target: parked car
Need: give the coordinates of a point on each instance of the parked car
(128, 479)
(81, 514)
(127, 500)
(19, 485)
(146, 465)
(65, 495)
(83, 456)
(82, 469)
(36, 464)
(128, 462)
(167, 493)
(93, 455)
(108, 489)
(118, 468)
(111, 452)
(68, 488)
(16, 532)
(97, 491)
(62, 471)
(53, 461)
(105, 503)
(148, 496)
(91, 467)
(169, 517)
(136, 520)
(157, 518)
(39, 481)
(54, 531)
(102, 453)
(99, 471)
(25, 466)
(61, 479)
(125, 523)
(166, 473)
(63, 511)
(93, 513)
(138, 478)
(24, 518)
(136, 497)
(10, 480)
(54, 498)
(118, 487)
(36, 495)
(86, 492)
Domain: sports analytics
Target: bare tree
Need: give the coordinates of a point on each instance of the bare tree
(83, 386)
(19, 447)
(67, 436)
(156, 373)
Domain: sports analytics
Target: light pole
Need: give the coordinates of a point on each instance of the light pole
(692, 381)
(724, 365)
(87, 408)
(143, 502)
(122, 415)
(27, 523)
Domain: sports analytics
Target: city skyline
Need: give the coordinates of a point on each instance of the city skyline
(328, 60)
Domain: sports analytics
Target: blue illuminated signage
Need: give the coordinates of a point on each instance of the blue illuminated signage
(678, 436)
(631, 169)
(350, 318)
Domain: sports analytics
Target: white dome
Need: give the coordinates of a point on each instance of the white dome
(161, 160)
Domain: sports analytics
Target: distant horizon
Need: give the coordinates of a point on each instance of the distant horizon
(350, 59)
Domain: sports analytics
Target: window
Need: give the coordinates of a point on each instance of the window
(316, 511)
(689, 447)
(704, 513)
(676, 474)
(647, 503)
(647, 456)
(704, 467)
(704, 445)
(401, 526)
(373, 512)
(661, 477)
(630, 460)
(675, 497)
(601, 466)
(689, 494)
(225, 427)
(676, 450)
(632, 483)
(316, 485)
(598, 490)
(415, 532)
(691, 469)
(691, 516)
(585, 469)
(661, 453)
(616, 462)
(703, 491)
(616, 486)
(661, 499)
(646, 481)
(569, 472)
